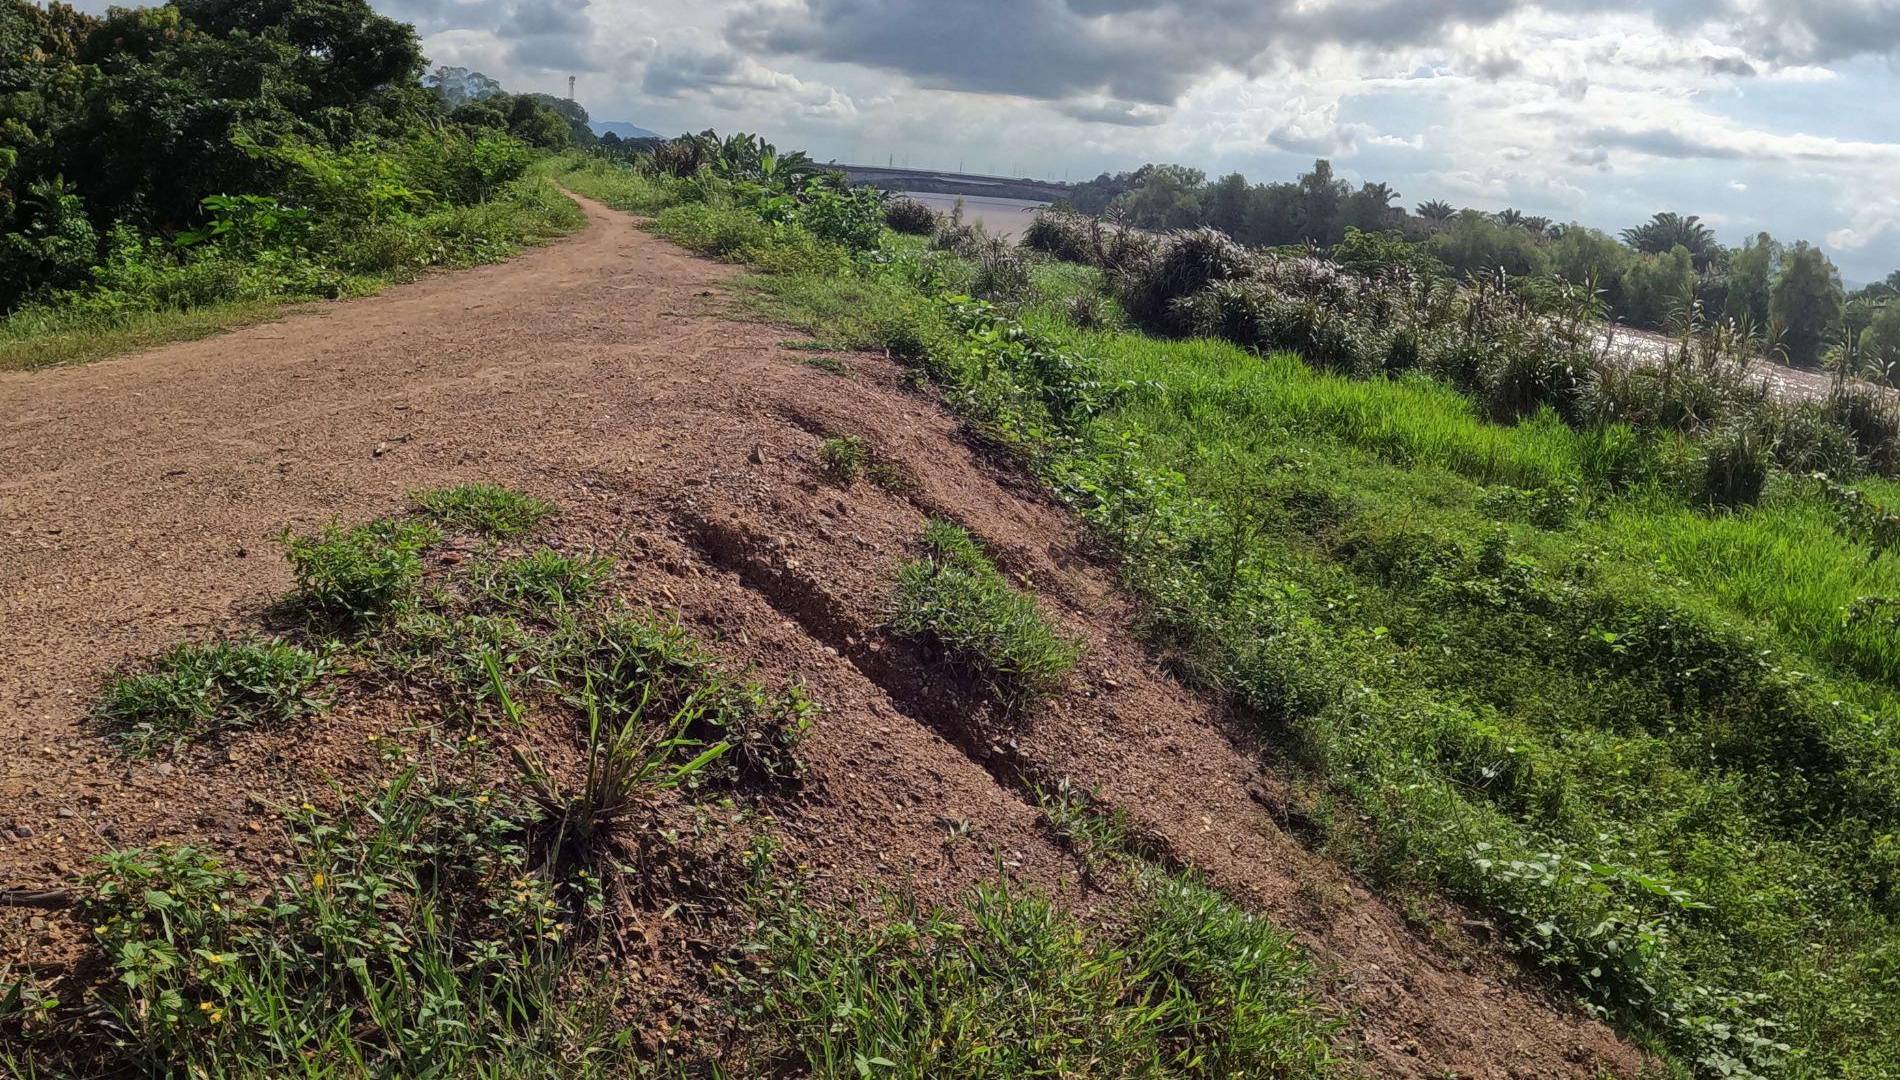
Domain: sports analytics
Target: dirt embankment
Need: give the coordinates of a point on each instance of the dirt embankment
(607, 374)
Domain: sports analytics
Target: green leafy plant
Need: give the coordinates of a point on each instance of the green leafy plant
(350, 578)
(955, 598)
(484, 508)
(199, 690)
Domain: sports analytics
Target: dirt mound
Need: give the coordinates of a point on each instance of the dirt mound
(604, 374)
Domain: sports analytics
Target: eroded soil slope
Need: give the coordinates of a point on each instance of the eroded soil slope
(607, 374)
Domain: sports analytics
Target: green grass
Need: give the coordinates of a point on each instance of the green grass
(955, 598)
(207, 299)
(1520, 664)
(350, 578)
(543, 580)
(484, 508)
(1009, 985)
(845, 457)
(195, 691)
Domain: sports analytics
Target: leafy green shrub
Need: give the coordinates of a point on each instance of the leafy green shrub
(353, 577)
(955, 597)
(910, 217)
(485, 508)
(198, 690)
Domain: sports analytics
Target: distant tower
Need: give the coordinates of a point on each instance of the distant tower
(570, 88)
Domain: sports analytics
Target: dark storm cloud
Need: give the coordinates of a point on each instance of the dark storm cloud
(1124, 113)
(1055, 49)
(1658, 142)
(1152, 51)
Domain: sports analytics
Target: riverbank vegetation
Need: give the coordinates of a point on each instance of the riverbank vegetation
(1598, 651)
(1650, 276)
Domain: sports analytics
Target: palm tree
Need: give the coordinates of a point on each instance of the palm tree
(1667, 230)
(1437, 211)
(1510, 218)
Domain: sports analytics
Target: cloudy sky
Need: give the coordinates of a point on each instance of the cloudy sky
(1756, 114)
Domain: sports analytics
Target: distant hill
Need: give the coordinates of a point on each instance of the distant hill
(622, 129)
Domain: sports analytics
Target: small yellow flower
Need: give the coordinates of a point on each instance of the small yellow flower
(216, 1016)
(214, 958)
(99, 929)
(317, 879)
(481, 800)
(216, 909)
(308, 809)
(373, 737)
(204, 1006)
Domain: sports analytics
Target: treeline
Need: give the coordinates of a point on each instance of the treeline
(210, 150)
(1651, 276)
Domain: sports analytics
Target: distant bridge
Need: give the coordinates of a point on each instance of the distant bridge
(953, 183)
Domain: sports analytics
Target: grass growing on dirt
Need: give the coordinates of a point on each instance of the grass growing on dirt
(955, 597)
(352, 577)
(417, 933)
(484, 508)
(542, 579)
(1524, 664)
(844, 457)
(198, 690)
(1011, 986)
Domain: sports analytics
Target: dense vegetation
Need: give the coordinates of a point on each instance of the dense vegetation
(1603, 652)
(163, 167)
(1650, 277)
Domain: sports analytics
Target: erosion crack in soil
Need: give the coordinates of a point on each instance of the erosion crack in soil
(606, 374)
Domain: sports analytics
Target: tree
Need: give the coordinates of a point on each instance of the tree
(1321, 197)
(1657, 289)
(457, 86)
(1806, 303)
(1436, 211)
(1751, 278)
(1584, 256)
(1880, 343)
(1474, 243)
(1667, 230)
(1370, 208)
(1226, 205)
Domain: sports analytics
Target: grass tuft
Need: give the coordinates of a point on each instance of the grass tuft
(955, 597)
(484, 508)
(198, 690)
(543, 580)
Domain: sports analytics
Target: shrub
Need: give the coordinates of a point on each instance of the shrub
(1736, 463)
(1063, 235)
(910, 217)
(350, 578)
(1001, 271)
(1873, 422)
(954, 597)
(198, 690)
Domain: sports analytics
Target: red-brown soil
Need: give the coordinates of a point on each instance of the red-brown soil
(608, 374)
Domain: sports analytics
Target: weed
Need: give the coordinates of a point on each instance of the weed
(844, 457)
(351, 578)
(629, 758)
(543, 580)
(413, 934)
(955, 598)
(198, 690)
(485, 508)
(1011, 986)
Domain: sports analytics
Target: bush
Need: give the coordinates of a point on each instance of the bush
(350, 578)
(910, 217)
(1154, 290)
(1736, 463)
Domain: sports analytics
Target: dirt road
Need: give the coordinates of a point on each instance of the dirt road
(608, 374)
